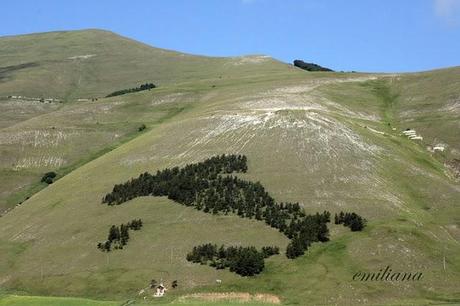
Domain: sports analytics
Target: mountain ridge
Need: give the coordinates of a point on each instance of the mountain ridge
(80, 60)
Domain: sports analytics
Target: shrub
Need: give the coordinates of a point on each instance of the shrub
(146, 86)
(352, 220)
(119, 235)
(48, 177)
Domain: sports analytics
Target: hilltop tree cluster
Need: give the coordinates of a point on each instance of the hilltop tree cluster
(205, 187)
(245, 261)
(352, 220)
(310, 66)
(119, 235)
(146, 86)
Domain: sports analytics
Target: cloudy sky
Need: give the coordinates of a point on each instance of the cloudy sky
(362, 35)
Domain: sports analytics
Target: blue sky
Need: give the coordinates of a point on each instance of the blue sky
(362, 35)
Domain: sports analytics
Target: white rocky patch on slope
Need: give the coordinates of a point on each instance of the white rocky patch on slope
(315, 83)
(181, 97)
(44, 161)
(304, 97)
(313, 126)
(36, 138)
(85, 56)
(251, 59)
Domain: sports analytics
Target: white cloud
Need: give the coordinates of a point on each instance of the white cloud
(448, 10)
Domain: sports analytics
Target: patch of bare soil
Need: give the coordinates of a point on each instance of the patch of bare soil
(232, 296)
(454, 166)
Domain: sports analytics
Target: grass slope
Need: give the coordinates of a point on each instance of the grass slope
(430, 103)
(37, 137)
(64, 139)
(17, 300)
(325, 140)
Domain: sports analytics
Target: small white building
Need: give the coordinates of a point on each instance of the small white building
(409, 132)
(412, 135)
(161, 290)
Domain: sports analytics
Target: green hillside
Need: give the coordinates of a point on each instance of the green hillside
(94, 63)
(330, 141)
(68, 128)
(430, 103)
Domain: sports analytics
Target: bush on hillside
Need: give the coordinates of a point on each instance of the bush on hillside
(146, 86)
(48, 177)
(352, 220)
(142, 127)
(119, 235)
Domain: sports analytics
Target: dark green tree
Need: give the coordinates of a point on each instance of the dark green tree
(295, 249)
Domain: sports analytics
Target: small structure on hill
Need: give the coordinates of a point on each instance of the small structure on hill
(436, 148)
(160, 291)
(409, 132)
(412, 134)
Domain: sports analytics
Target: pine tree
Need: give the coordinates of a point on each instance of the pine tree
(107, 246)
(124, 234)
(114, 233)
(295, 249)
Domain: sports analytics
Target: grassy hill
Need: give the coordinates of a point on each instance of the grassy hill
(326, 140)
(94, 63)
(71, 69)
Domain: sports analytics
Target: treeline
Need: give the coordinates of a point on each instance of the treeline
(171, 182)
(245, 261)
(203, 186)
(119, 235)
(350, 219)
(310, 66)
(146, 86)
